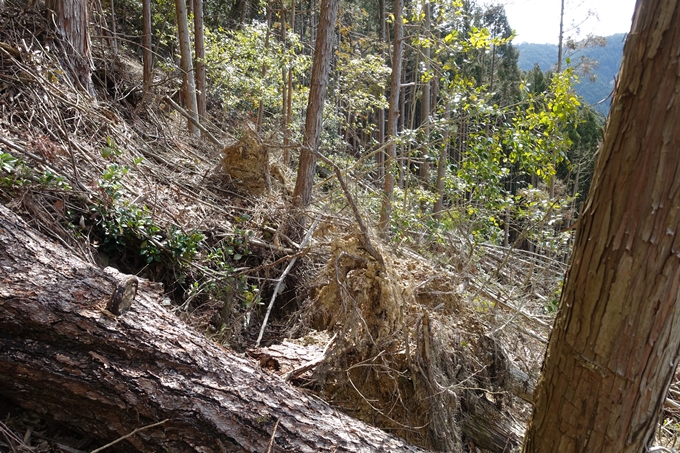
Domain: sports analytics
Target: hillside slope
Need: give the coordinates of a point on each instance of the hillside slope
(115, 179)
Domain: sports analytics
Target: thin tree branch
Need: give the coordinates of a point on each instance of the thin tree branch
(128, 435)
(194, 121)
(368, 245)
(270, 445)
(282, 278)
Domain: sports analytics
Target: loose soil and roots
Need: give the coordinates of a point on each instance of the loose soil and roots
(440, 344)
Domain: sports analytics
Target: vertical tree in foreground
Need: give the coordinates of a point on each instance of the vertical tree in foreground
(147, 56)
(321, 66)
(393, 115)
(425, 108)
(72, 19)
(199, 47)
(188, 82)
(614, 347)
(382, 39)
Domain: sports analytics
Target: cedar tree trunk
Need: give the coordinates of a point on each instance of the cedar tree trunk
(393, 116)
(146, 43)
(382, 36)
(188, 81)
(302, 195)
(442, 163)
(615, 343)
(426, 96)
(72, 20)
(199, 46)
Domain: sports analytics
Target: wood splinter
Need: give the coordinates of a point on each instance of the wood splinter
(123, 296)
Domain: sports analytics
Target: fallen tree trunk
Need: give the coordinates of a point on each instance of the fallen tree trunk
(65, 355)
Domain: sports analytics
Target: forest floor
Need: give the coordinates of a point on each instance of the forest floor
(421, 341)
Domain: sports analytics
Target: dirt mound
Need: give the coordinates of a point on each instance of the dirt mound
(409, 357)
(247, 164)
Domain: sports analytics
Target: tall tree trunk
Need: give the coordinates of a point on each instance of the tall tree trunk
(188, 83)
(114, 39)
(289, 106)
(393, 116)
(441, 168)
(402, 117)
(146, 44)
(244, 13)
(284, 87)
(380, 156)
(493, 69)
(260, 110)
(560, 39)
(72, 20)
(559, 69)
(302, 195)
(425, 108)
(199, 46)
(615, 344)
(65, 355)
(313, 21)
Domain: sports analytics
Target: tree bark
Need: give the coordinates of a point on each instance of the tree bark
(382, 38)
(615, 344)
(285, 121)
(260, 110)
(199, 46)
(560, 56)
(188, 81)
(560, 39)
(72, 21)
(147, 56)
(426, 95)
(442, 163)
(393, 116)
(244, 13)
(289, 106)
(302, 195)
(111, 374)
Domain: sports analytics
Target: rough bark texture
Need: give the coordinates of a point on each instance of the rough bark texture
(111, 374)
(146, 43)
(393, 115)
(260, 109)
(302, 195)
(72, 19)
(289, 99)
(615, 344)
(442, 163)
(199, 46)
(380, 156)
(188, 80)
(425, 98)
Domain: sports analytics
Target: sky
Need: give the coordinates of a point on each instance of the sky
(538, 21)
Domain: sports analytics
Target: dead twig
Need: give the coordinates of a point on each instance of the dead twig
(128, 435)
(270, 445)
(366, 240)
(194, 121)
(282, 278)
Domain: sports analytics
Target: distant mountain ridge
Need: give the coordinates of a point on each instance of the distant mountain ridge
(609, 58)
